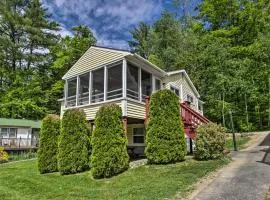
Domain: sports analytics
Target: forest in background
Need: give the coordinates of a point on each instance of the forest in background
(224, 47)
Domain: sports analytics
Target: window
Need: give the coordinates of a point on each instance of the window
(146, 84)
(4, 132)
(132, 82)
(84, 89)
(71, 92)
(97, 86)
(157, 84)
(175, 90)
(138, 135)
(12, 132)
(114, 83)
(189, 98)
(8, 132)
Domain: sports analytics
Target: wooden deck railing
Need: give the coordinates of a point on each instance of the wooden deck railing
(19, 143)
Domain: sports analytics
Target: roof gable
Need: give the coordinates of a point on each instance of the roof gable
(94, 57)
(187, 78)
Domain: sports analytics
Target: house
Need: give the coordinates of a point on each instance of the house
(104, 75)
(19, 134)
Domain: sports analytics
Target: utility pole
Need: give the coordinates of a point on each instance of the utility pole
(232, 125)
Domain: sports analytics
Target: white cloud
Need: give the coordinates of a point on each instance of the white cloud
(105, 17)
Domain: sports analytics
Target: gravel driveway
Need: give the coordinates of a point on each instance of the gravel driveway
(246, 178)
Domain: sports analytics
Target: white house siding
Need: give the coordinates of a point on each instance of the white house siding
(180, 82)
(135, 109)
(24, 134)
(91, 110)
(92, 58)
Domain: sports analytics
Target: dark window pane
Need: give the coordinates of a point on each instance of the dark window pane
(71, 92)
(138, 139)
(12, 132)
(146, 84)
(114, 89)
(132, 82)
(84, 89)
(138, 135)
(175, 90)
(157, 84)
(97, 85)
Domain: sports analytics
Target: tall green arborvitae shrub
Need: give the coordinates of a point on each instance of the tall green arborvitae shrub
(109, 143)
(165, 139)
(48, 148)
(210, 141)
(74, 142)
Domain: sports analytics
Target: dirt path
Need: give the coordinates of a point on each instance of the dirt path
(246, 178)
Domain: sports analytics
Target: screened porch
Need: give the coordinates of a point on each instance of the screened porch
(111, 82)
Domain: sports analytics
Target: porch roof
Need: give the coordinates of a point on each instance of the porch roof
(20, 123)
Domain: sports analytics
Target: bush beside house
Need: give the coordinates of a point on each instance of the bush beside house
(210, 141)
(48, 149)
(74, 143)
(3, 155)
(109, 143)
(165, 139)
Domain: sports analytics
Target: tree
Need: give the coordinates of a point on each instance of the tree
(165, 139)
(48, 148)
(109, 143)
(74, 143)
(26, 35)
(66, 53)
(141, 40)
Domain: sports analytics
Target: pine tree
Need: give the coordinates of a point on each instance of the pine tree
(74, 143)
(165, 139)
(109, 144)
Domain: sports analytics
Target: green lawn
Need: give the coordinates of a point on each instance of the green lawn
(240, 141)
(21, 180)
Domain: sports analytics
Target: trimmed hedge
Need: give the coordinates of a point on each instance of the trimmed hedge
(109, 143)
(74, 143)
(48, 148)
(210, 141)
(165, 139)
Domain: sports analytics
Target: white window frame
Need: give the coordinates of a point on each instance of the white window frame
(175, 88)
(190, 96)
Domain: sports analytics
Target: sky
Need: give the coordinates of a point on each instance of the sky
(109, 20)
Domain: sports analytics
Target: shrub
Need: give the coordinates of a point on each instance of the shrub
(210, 141)
(109, 143)
(165, 139)
(47, 152)
(74, 143)
(3, 155)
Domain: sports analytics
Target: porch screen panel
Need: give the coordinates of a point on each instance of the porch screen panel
(71, 92)
(146, 84)
(97, 86)
(84, 89)
(114, 83)
(132, 82)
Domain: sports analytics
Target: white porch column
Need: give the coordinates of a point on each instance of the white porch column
(90, 86)
(124, 78)
(105, 82)
(65, 93)
(140, 83)
(77, 91)
(153, 83)
(181, 91)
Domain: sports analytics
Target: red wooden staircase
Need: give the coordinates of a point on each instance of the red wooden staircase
(191, 118)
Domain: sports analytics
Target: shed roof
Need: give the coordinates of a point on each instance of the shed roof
(20, 123)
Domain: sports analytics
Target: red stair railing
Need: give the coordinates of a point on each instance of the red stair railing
(191, 119)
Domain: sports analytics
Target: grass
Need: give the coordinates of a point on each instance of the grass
(241, 142)
(21, 180)
(22, 155)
